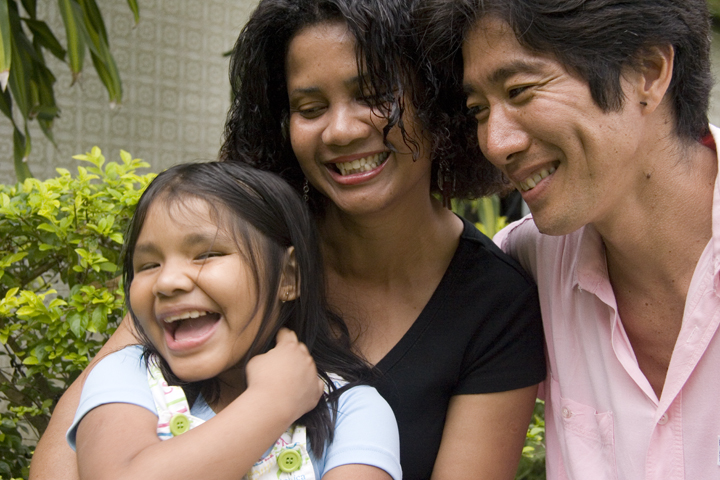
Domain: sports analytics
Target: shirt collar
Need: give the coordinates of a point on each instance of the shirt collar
(716, 214)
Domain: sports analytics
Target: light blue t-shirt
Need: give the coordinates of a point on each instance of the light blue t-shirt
(365, 429)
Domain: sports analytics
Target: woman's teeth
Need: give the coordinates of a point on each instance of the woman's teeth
(186, 315)
(530, 182)
(362, 165)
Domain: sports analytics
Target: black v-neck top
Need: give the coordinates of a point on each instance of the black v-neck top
(480, 333)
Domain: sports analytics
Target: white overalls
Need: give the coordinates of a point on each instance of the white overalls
(288, 459)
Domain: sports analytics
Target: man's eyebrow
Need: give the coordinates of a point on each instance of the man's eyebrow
(501, 74)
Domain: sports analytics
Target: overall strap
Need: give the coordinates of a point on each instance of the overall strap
(172, 406)
(288, 459)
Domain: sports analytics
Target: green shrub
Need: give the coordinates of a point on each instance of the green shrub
(60, 297)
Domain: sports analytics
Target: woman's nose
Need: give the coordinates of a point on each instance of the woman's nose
(347, 123)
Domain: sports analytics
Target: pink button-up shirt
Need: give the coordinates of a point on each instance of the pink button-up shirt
(603, 419)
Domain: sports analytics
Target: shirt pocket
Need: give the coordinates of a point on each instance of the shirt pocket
(586, 438)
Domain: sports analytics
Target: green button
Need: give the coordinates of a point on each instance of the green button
(179, 424)
(289, 460)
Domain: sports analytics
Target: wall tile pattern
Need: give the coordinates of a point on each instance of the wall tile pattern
(175, 87)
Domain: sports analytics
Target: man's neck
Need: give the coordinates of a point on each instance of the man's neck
(653, 245)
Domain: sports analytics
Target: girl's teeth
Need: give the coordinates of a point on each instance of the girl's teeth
(186, 315)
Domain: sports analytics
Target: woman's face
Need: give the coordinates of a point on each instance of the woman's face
(337, 136)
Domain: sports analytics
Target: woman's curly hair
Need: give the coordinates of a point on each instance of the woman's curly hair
(392, 68)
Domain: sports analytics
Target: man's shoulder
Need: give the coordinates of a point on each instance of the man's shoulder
(523, 241)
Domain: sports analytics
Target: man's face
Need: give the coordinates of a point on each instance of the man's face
(537, 122)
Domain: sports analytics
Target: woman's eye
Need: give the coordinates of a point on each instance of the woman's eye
(478, 112)
(311, 112)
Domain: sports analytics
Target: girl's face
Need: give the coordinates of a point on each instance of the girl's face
(193, 292)
(335, 134)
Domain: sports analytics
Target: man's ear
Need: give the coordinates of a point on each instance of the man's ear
(290, 278)
(653, 75)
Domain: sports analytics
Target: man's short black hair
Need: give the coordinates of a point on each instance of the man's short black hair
(596, 39)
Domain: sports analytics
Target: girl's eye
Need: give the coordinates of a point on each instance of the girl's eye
(206, 255)
(146, 266)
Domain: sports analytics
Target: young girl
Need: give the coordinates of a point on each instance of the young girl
(224, 285)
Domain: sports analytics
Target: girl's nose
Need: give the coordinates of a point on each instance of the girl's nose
(347, 123)
(501, 136)
(174, 279)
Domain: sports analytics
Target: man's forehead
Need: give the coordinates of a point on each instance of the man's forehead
(492, 53)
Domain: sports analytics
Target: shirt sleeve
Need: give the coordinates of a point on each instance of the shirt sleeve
(519, 240)
(365, 433)
(121, 377)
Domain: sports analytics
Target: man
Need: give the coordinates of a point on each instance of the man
(596, 111)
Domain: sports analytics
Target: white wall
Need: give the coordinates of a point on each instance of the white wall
(175, 85)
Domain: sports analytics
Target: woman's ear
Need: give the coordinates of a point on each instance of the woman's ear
(290, 279)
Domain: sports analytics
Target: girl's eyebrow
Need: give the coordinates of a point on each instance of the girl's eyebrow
(190, 240)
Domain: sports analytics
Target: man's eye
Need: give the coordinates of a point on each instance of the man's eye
(515, 91)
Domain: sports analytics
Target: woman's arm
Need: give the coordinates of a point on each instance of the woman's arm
(119, 441)
(53, 458)
(484, 435)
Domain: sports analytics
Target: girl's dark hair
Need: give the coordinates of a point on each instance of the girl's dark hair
(386, 48)
(596, 39)
(267, 217)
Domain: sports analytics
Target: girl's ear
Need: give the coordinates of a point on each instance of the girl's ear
(290, 279)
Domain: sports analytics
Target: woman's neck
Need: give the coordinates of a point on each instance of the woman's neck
(381, 245)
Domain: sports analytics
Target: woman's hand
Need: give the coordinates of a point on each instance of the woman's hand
(287, 375)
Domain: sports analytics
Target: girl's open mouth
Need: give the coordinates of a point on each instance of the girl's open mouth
(191, 327)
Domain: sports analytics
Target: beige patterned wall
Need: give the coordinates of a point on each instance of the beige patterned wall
(175, 86)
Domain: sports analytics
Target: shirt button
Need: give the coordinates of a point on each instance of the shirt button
(566, 413)
(289, 460)
(179, 424)
(663, 420)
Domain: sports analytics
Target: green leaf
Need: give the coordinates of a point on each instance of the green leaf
(99, 321)
(19, 74)
(78, 323)
(22, 171)
(5, 45)
(30, 360)
(73, 19)
(30, 7)
(135, 9)
(45, 37)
